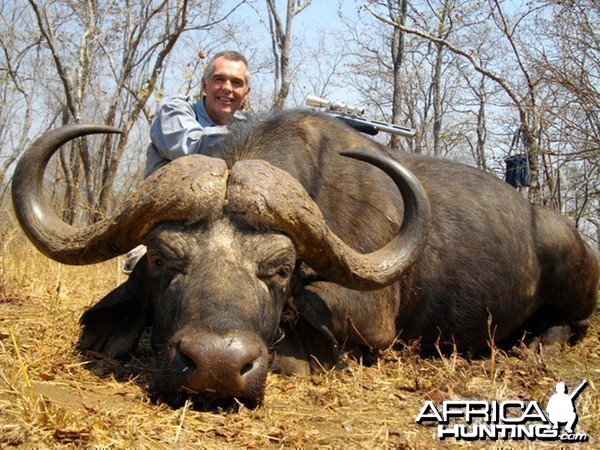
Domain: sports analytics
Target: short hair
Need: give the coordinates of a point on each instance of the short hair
(231, 55)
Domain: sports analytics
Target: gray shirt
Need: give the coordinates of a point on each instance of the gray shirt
(181, 128)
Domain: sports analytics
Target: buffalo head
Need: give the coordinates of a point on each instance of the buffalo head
(225, 244)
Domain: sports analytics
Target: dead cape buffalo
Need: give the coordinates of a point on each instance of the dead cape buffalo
(276, 251)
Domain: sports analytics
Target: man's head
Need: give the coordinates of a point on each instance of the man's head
(226, 85)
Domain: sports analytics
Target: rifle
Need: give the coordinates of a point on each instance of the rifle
(577, 391)
(353, 116)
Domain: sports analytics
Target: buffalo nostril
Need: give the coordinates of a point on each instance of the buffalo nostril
(247, 368)
(179, 360)
(185, 361)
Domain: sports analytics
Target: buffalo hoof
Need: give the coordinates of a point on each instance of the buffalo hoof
(557, 337)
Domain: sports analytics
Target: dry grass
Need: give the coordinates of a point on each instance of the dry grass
(52, 397)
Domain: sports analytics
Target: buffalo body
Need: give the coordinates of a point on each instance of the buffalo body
(277, 251)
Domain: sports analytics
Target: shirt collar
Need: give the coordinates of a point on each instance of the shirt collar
(202, 115)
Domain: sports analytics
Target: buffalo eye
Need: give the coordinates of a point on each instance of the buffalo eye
(281, 273)
(284, 271)
(155, 260)
(278, 269)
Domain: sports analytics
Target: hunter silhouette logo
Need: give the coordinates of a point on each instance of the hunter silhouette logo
(561, 406)
(512, 419)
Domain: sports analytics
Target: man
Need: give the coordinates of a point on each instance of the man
(561, 408)
(183, 128)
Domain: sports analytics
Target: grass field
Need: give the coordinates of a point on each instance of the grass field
(53, 397)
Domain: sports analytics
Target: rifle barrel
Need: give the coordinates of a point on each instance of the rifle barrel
(353, 116)
(577, 391)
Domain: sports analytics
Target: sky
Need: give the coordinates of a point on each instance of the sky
(319, 18)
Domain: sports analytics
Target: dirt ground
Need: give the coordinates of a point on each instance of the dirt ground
(53, 397)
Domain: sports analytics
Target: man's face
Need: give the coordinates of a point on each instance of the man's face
(226, 90)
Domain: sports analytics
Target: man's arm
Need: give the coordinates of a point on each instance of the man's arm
(176, 131)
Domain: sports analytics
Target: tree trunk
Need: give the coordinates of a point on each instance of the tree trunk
(281, 36)
(398, 56)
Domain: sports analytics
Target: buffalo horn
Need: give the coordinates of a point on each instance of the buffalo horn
(186, 190)
(267, 197)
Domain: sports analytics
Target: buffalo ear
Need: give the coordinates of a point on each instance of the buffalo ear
(114, 325)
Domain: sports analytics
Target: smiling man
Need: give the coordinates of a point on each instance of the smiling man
(183, 128)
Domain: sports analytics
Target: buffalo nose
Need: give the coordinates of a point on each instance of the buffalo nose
(232, 365)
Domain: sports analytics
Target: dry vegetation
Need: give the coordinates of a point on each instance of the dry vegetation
(53, 397)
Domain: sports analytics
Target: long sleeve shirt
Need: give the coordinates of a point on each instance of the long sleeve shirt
(181, 128)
